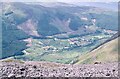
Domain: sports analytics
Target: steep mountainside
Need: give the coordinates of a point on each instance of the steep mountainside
(108, 52)
(23, 21)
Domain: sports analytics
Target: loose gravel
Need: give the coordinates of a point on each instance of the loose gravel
(45, 69)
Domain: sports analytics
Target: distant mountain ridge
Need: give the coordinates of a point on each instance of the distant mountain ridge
(103, 5)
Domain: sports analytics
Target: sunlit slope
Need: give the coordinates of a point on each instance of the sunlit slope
(107, 52)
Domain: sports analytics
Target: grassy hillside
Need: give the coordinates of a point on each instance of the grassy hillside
(107, 52)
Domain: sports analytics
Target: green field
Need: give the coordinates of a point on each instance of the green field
(61, 50)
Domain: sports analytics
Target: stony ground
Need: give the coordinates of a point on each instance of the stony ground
(47, 69)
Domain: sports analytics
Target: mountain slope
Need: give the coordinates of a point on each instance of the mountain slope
(107, 52)
(22, 21)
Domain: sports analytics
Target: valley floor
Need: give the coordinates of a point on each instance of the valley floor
(48, 69)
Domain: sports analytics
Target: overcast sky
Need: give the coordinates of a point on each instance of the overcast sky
(66, 1)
